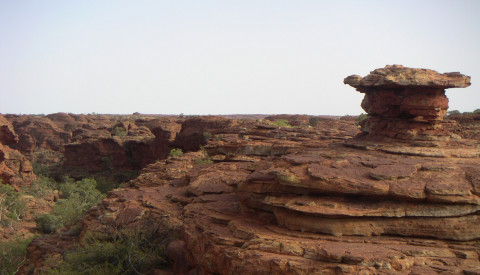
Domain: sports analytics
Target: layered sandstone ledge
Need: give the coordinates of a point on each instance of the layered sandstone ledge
(280, 200)
(287, 200)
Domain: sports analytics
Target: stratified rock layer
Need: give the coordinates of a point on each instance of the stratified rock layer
(15, 169)
(405, 103)
(279, 200)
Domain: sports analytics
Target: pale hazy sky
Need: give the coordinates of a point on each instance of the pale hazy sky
(224, 57)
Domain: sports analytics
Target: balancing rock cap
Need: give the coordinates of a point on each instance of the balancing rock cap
(398, 76)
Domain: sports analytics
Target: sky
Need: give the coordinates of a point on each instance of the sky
(224, 57)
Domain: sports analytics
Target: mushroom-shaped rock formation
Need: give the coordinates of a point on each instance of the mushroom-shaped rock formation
(405, 103)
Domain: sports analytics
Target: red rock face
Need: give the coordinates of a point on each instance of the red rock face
(416, 96)
(7, 134)
(279, 200)
(15, 169)
(430, 105)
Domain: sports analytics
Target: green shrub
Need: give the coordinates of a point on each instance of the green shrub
(206, 160)
(105, 184)
(107, 163)
(477, 111)
(76, 198)
(10, 203)
(125, 251)
(218, 137)
(47, 162)
(453, 112)
(313, 121)
(48, 223)
(207, 135)
(12, 255)
(42, 187)
(360, 118)
(281, 123)
(176, 152)
(119, 131)
(6, 222)
(40, 169)
(69, 127)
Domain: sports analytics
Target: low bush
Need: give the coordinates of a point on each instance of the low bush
(48, 223)
(176, 152)
(313, 121)
(360, 118)
(203, 161)
(281, 123)
(207, 135)
(453, 112)
(76, 198)
(124, 251)
(206, 158)
(11, 205)
(47, 162)
(119, 131)
(42, 187)
(12, 255)
(105, 184)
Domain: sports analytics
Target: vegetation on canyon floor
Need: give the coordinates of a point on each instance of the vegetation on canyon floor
(120, 250)
(281, 123)
(175, 152)
(49, 164)
(119, 131)
(123, 251)
(12, 208)
(76, 198)
(12, 255)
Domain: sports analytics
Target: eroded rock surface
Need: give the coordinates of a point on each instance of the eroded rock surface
(406, 103)
(15, 169)
(406, 109)
(279, 200)
(259, 198)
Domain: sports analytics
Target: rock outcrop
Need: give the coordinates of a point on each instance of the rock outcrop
(38, 132)
(15, 169)
(7, 134)
(405, 103)
(80, 145)
(258, 198)
(280, 200)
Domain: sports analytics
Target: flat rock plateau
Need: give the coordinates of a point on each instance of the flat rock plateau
(284, 194)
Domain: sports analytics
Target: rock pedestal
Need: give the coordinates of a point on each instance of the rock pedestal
(405, 103)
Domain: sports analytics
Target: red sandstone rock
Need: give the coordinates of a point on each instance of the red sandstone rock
(7, 134)
(399, 76)
(15, 169)
(297, 201)
(38, 132)
(405, 103)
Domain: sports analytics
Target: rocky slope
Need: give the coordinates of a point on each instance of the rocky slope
(15, 169)
(296, 201)
(255, 198)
